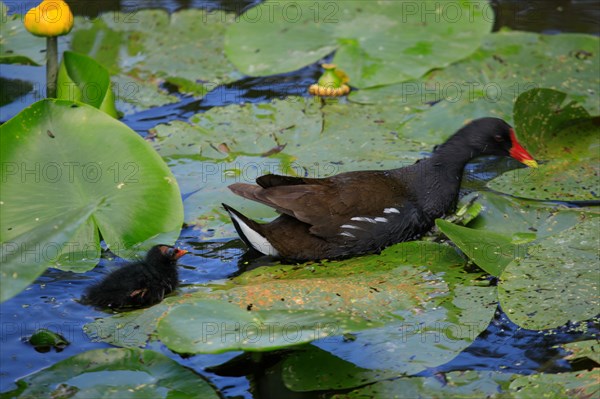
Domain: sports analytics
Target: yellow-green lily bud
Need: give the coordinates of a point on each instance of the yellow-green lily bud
(49, 18)
(331, 84)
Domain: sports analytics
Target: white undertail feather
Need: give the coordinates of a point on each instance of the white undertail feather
(258, 242)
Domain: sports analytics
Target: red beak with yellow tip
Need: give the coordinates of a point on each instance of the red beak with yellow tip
(519, 153)
(179, 253)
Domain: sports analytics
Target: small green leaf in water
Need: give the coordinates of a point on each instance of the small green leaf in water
(43, 340)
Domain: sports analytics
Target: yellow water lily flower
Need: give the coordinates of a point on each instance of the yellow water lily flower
(49, 18)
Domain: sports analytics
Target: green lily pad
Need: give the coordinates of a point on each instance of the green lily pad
(311, 369)
(580, 384)
(275, 307)
(375, 43)
(114, 373)
(490, 251)
(589, 349)
(43, 244)
(557, 281)
(80, 78)
(12, 89)
(43, 340)
(17, 46)
(513, 217)
(211, 326)
(138, 49)
(505, 227)
(564, 135)
(488, 82)
(73, 184)
(457, 384)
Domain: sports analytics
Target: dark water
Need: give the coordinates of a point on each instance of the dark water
(51, 302)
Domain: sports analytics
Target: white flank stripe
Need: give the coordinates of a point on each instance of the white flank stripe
(345, 233)
(363, 219)
(384, 220)
(391, 210)
(258, 242)
(350, 226)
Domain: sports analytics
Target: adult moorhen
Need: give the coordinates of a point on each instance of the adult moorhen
(138, 284)
(363, 212)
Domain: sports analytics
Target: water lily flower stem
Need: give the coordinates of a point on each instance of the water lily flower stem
(51, 65)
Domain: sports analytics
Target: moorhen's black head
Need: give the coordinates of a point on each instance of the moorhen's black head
(490, 136)
(164, 255)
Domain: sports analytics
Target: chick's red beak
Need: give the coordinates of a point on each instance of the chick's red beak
(179, 253)
(519, 153)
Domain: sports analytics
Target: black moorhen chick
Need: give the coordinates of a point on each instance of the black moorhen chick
(363, 212)
(138, 284)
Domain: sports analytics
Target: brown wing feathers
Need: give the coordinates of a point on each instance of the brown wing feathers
(297, 200)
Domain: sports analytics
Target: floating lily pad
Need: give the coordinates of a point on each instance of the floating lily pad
(375, 43)
(504, 228)
(464, 384)
(323, 300)
(490, 251)
(139, 49)
(488, 82)
(25, 256)
(17, 46)
(566, 139)
(516, 218)
(210, 326)
(114, 373)
(580, 384)
(557, 281)
(311, 369)
(69, 184)
(587, 349)
(44, 339)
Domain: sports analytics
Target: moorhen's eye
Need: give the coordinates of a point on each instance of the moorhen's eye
(499, 138)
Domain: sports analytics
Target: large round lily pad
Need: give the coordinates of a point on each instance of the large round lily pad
(71, 172)
(557, 281)
(429, 306)
(114, 373)
(567, 141)
(488, 82)
(376, 43)
(139, 50)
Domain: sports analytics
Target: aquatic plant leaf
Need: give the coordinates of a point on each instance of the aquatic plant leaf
(488, 82)
(313, 369)
(114, 373)
(557, 281)
(567, 141)
(25, 256)
(375, 43)
(211, 326)
(414, 289)
(54, 170)
(138, 49)
(505, 227)
(457, 384)
(516, 217)
(579, 384)
(490, 251)
(43, 339)
(17, 45)
(81, 78)
(584, 349)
